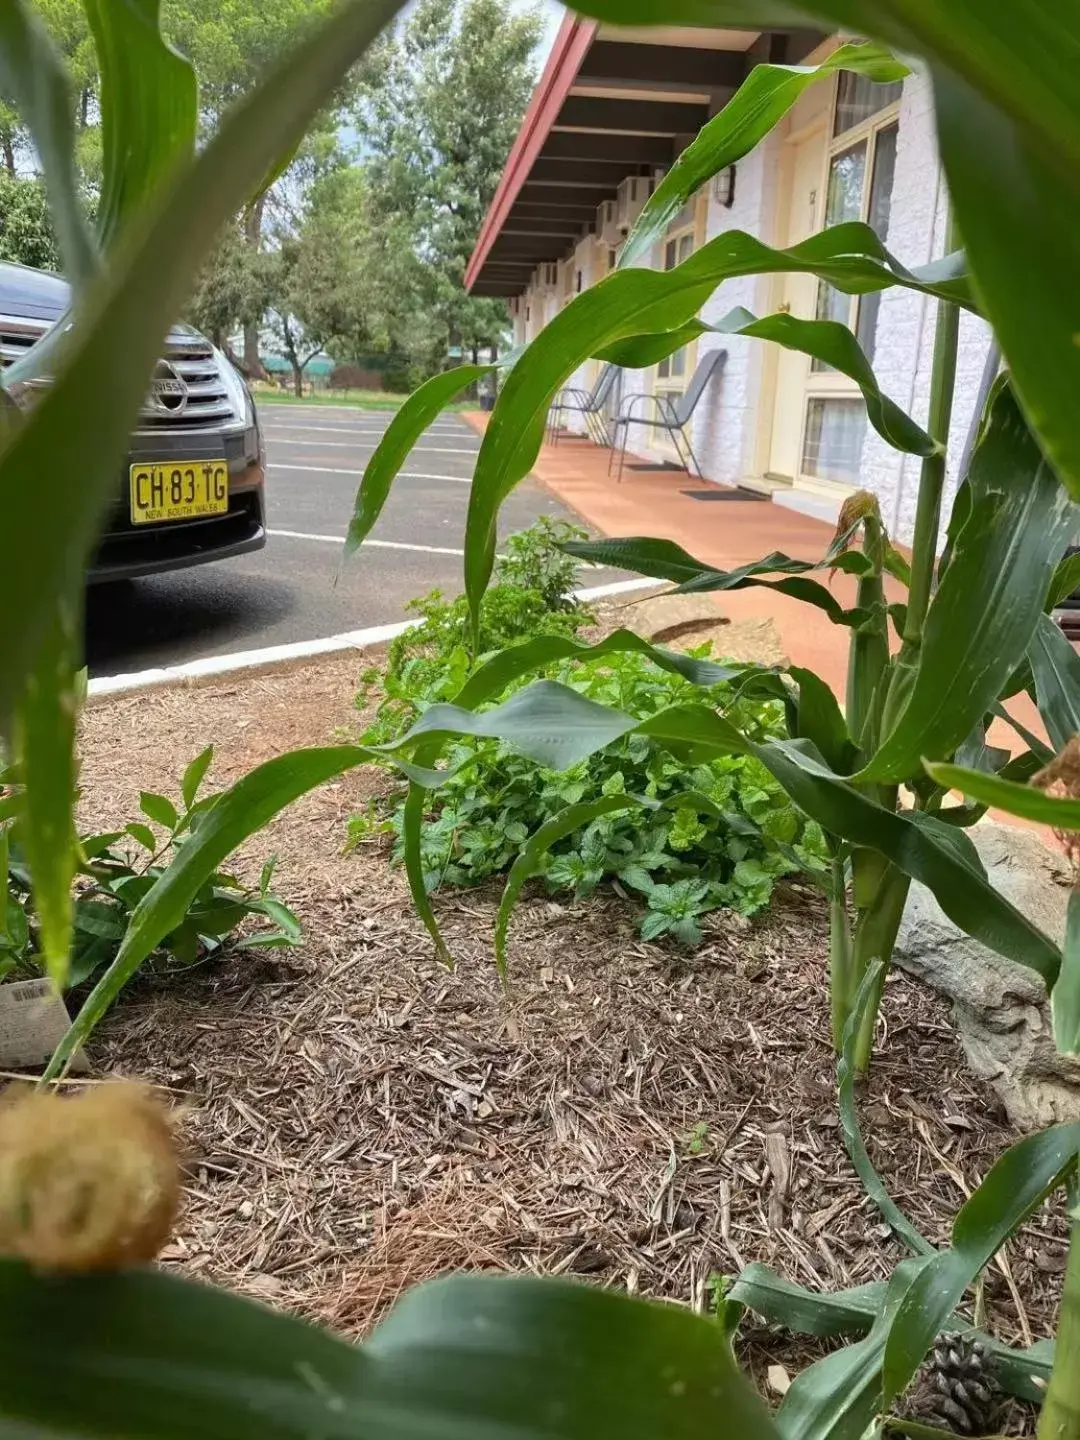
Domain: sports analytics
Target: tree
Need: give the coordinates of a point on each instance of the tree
(320, 298)
(26, 231)
(234, 289)
(231, 43)
(441, 102)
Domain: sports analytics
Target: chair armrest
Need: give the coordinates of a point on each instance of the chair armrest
(563, 397)
(628, 413)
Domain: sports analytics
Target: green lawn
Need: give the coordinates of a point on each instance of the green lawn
(359, 399)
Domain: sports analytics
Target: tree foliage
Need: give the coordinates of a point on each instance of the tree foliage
(441, 101)
(26, 231)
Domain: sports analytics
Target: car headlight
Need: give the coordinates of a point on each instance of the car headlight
(235, 388)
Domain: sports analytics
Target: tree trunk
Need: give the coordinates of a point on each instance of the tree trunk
(8, 151)
(298, 381)
(253, 366)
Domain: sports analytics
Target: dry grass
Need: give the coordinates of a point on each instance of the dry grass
(362, 1119)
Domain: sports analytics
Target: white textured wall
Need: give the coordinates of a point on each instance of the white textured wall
(589, 258)
(724, 426)
(906, 320)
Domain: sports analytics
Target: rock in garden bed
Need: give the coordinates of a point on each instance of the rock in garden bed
(1001, 1008)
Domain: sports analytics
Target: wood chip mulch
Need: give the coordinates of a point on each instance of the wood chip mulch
(361, 1119)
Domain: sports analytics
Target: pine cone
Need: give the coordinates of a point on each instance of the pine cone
(956, 1388)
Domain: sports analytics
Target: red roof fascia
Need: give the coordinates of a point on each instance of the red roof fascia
(570, 48)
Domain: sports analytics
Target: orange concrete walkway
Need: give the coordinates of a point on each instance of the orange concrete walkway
(725, 534)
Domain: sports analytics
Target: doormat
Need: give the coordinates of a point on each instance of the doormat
(716, 493)
(659, 465)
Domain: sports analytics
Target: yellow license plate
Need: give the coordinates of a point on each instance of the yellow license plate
(182, 491)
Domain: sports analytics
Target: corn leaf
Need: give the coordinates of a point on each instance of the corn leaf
(573, 1363)
(629, 303)
(1065, 1000)
(869, 994)
(833, 343)
(645, 350)
(566, 822)
(33, 79)
(44, 744)
(990, 599)
(665, 560)
(824, 340)
(1016, 1184)
(1066, 580)
(149, 107)
(399, 437)
(412, 827)
(114, 346)
(853, 1312)
(1010, 197)
(808, 1312)
(1023, 800)
(838, 1397)
(491, 679)
(819, 719)
(1055, 668)
(760, 103)
(517, 660)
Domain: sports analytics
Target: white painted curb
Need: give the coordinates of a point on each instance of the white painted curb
(299, 650)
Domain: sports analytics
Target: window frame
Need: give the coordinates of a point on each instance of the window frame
(831, 384)
(690, 229)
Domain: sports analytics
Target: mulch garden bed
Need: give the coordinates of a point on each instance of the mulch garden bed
(360, 1118)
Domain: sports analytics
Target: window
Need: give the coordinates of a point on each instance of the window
(862, 163)
(859, 185)
(859, 99)
(832, 445)
(676, 250)
(860, 188)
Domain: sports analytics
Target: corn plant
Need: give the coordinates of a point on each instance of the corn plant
(142, 1354)
(971, 631)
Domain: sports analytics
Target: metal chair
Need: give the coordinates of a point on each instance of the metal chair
(669, 417)
(588, 403)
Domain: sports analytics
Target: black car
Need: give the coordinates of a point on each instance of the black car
(191, 488)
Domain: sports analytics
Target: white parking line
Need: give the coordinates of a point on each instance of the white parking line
(423, 475)
(351, 430)
(335, 470)
(353, 445)
(358, 412)
(378, 544)
(297, 650)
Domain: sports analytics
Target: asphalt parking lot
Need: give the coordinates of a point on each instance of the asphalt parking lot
(297, 588)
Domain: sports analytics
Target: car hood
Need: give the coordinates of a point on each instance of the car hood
(27, 294)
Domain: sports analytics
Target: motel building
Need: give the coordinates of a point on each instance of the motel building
(611, 112)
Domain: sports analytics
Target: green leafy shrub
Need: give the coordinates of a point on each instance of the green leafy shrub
(113, 877)
(719, 836)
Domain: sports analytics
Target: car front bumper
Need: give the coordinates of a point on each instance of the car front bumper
(128, 551)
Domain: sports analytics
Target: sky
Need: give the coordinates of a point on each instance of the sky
(553, 14)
